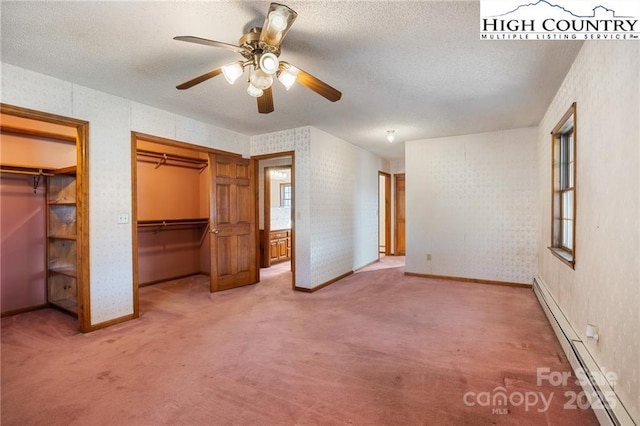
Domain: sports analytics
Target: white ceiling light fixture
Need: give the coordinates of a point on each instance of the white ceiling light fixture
(232, 71)
(391, 135)
(287, 77)
(254, 91)
(269, 63)
(260, 79)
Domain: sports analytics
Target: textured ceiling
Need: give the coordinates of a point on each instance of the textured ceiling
(418, 67)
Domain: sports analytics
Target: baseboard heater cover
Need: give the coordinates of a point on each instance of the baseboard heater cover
(606, 411)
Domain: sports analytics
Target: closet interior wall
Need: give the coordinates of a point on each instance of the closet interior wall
(23, 203)
(172, 212)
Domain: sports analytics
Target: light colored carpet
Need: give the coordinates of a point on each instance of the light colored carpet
(375, 348)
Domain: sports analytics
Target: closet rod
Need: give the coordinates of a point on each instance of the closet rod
(143, 224)
(26, 172)
(174, 157)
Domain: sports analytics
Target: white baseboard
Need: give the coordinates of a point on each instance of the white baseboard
(608, 408)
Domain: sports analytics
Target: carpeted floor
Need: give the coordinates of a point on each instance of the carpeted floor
(375, 348)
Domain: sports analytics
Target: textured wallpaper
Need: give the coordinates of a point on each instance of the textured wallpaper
(111, 120)
(604, 289)
(297, 140)
(471, 202)
(336, 202)
(344, 201)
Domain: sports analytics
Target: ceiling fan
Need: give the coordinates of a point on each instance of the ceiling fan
(260, 48)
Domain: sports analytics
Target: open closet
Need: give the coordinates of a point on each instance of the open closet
(44, 224)
(172, 212)
(194, 214)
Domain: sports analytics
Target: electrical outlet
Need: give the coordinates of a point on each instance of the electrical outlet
(428, 256)
(123, 218)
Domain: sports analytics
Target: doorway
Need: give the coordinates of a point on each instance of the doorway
(276, 201)
(60, 252)
(400, 229)
(384, 214)
(193, 215)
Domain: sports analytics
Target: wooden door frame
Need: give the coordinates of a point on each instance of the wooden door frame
(267, 206)
(387, 213)
(259, 158)
(82, 201)
(135, 137)
(395, 211)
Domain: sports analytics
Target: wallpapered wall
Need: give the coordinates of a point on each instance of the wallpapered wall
(299, 141)
(335, 202)
(471, 202)
(111, 121)
(604, 289)
(344, 202)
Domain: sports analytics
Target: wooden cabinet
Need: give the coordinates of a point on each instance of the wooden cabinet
(280, 245)
(62, 235)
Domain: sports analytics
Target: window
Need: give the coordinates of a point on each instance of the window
(285, 195)
(563, 204)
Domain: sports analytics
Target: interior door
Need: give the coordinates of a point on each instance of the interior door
(400, 215)
(233, 222)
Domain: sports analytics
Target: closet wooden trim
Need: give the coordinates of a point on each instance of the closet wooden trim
(41, 116)
(137, 136)
(134, 221)
(82, 200)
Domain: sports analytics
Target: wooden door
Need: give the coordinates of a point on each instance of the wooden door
(233, 222)
(400, 215)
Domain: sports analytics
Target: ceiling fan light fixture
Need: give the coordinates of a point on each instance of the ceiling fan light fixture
(254, 91)
(269, 63)
(232, 71)
(391, 135)
(287, 78)
(260, 79)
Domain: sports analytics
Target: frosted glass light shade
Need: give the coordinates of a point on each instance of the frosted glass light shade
(260, 79)
(287, 79)
(269, 63)
(232, 71)
(276, 24)
(254, 91)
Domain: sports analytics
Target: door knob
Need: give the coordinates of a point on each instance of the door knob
(214, 231)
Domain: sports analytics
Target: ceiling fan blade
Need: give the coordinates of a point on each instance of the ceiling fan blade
(265, 102)
(276, 25)
(204, 77)
(313, 83)
(213, 43)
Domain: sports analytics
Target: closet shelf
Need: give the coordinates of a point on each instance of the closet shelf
(64, 237)
(173, 222)
(26, 170)
(66, 304)
(68, 271)
(162, 158)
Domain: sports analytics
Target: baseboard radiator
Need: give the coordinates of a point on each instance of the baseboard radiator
(607, 408)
